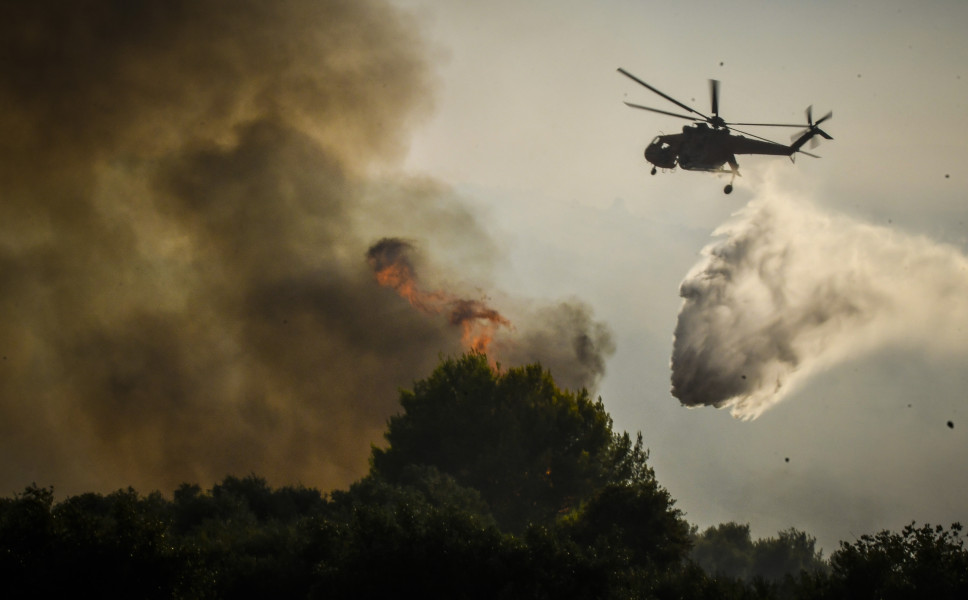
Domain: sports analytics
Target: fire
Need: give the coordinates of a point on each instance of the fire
(399, 276)
(478, 323)
(389, 259)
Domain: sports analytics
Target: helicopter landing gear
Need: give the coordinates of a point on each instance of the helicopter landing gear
(653, 170)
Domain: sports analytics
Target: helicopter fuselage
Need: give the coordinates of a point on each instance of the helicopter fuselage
(701, 148)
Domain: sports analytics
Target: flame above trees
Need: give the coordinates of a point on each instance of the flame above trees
(390, 260)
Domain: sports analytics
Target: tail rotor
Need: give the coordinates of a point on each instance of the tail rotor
(813, 129)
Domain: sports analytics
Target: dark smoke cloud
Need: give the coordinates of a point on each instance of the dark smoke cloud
(564, 338)
(389, 253)
(790, 290)
(183, 235)
(181, 287)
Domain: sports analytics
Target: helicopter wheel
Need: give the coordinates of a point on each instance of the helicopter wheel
(728, 189)
(653, 170)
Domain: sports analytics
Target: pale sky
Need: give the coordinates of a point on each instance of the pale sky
(530, 130)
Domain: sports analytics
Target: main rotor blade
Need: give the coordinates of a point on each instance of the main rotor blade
(714, 95)
(667, 97)
(777, 143)
(768, 124)
(753, 135)
(809, 123)
(663, 112)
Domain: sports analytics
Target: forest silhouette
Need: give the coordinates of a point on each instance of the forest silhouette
(491, 484)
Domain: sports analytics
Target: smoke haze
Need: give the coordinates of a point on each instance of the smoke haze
(563, 337)
(790, 290)
(189, 196)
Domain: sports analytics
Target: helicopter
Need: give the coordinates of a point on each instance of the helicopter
(710, 143)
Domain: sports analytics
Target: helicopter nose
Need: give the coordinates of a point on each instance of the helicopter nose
(659, 157)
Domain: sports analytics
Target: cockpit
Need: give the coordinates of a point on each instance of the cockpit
(661, 153)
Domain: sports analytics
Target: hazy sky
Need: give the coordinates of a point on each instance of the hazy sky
(191, 190)
(530, 128)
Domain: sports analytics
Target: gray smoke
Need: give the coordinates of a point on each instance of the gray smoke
(188, 199)
(564, 338)
(790, 290)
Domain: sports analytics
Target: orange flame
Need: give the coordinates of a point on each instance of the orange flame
(478, 323)
(389, 259)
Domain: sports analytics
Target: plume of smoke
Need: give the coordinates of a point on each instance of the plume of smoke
(179, 181)
(564, 338)
(181, 246)
(790, 290)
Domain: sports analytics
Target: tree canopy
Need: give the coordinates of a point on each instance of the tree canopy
(492, 484)
(925, 562)
(728, 549)
(532, 450)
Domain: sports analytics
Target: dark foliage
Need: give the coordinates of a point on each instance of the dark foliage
(494, 485)
(924, 562)
(729, 550)
(109, 546)
(532, 450)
